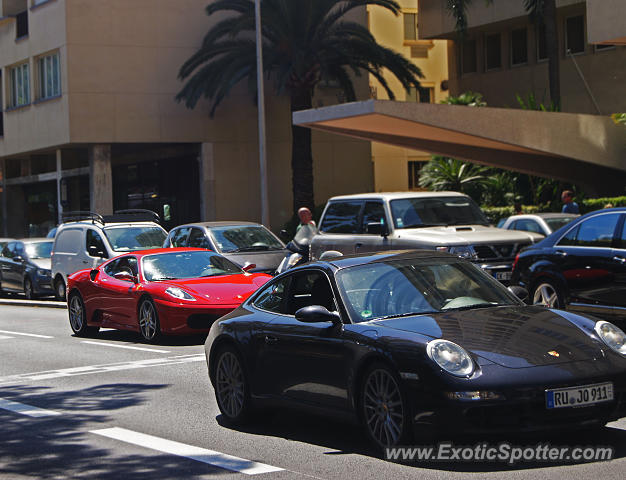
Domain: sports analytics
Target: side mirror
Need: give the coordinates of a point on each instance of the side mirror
(377, 228)
(284, 236)
(93, 274)
(519, 292)
(94, 252)
(125, 277)
(248, 266)
(18, 258)
(317, 314)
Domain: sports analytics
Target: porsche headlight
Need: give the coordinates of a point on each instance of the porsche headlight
(451, 357)
(613, 336)
(179, 293)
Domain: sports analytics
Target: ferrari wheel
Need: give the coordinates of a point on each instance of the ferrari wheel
(78, 317)
(385, 412)
(149, 326)
(231, 387)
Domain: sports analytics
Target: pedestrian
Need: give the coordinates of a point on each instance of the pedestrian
(517, 206)
(608, 205)
(306, 218)
(569, 205)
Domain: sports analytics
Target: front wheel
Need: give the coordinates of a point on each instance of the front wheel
(231, 386)
(149, 325)
(59, 289)
(384, 409)
(78, 317)
(547, 294)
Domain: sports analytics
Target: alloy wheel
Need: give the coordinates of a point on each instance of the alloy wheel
(229, 385)
(383, 408)
(546, 295)
(148, 320)
(76, 313)
(60, 290)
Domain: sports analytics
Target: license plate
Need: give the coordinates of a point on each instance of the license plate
(577, 396)
(503, 276)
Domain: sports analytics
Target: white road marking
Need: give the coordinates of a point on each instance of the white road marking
(203, 455)
(126, 346)
(26, 334)
(4, 337)
(93, 369)
(26, 409)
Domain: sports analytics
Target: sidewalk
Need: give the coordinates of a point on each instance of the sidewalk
(22, 302)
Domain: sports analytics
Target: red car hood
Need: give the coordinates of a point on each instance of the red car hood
(221, 290)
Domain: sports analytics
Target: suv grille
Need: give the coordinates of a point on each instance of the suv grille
(500, 251)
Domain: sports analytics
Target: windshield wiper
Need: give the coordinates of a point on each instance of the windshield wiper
(474, 305)
(258, 248)
(400, 315)
(158, 279)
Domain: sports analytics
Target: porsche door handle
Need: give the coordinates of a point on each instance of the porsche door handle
(270, 340)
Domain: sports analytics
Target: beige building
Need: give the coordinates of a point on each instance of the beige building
(89, 121)
(504, 53)
(397, 168)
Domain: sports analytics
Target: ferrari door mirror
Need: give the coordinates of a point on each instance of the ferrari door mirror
(93, 274)
(317, 314)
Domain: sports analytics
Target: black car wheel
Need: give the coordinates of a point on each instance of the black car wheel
(149, 325)
(231, 386)
(78, 317)
(384, 409)
(59, 289)
(547, 293)
(28, 289)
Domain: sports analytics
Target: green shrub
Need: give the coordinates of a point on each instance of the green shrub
(591, 204)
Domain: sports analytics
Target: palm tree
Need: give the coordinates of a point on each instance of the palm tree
(443, 173)
(543, 13)
(305, 42)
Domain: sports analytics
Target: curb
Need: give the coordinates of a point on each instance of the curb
(31, 303)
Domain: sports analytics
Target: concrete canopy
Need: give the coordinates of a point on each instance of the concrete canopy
(588, 150)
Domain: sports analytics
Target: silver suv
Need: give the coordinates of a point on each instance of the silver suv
(445, 221)
(86, 239)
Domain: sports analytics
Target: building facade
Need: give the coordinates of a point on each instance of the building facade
(397, 168)
(89, 121)
(504, 53)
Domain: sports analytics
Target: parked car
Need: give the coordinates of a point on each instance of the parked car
(87, 239)
(25, 267)
(542, 223)
(444, 221)
(581, 266)
(244, 243)
(4, 241)
(164, 291)
(415, 339)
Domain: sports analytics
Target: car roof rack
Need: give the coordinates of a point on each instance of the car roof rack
(78, 216)
(132, 215)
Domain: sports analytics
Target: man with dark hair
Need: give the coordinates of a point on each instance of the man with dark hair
(569, 205)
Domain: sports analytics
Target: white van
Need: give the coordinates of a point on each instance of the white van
(87, 239)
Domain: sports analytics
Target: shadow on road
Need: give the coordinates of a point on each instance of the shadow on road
(134, 338)
(344, 438)
(62, 446)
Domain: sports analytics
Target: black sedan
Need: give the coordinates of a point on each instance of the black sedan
(25, 267)
(423, 339)
(581, 266)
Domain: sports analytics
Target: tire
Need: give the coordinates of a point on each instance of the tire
(385, 412)
(547, 293)
(59, 289)
(148, 319)
(232, 389)
(28, 289)
(78, 317)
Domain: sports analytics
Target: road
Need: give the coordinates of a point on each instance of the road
(112, 407)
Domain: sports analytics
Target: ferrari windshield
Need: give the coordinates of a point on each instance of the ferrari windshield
(244, 238)
(126, 239)
(418, 286)
(433, 211)
(180, 265)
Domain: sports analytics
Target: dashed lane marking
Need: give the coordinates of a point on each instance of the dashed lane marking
(24, 409)
(129, 347)
(93, 369)
(203, 455)
(25, 334)
(4, 337)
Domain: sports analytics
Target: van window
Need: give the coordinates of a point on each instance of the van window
(68, 241)
(342, 217)
(93, 239)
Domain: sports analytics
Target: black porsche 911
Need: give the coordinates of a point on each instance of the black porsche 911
(415, 340)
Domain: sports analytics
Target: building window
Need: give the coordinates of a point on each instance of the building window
(493, 51)
(519, 47)
(21, 24)
(542, 46)
(414, 169)
(410, 26)
(19, 85)
(421, 94)
(49, 76)
(575, 35)
(468, 53)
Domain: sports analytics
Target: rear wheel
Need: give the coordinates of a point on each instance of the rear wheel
(547, 293)
(231, 386)
(149, 326)
(78, 317)
(59, 289)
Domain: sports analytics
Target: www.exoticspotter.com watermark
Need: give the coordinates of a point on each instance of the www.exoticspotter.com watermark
(502, 452)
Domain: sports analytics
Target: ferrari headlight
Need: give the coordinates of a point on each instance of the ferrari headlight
(179, 293)
(451, 357)
(613, 336)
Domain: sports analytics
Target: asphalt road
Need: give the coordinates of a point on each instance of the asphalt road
(112, 407)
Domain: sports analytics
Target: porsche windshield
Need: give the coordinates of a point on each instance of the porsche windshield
(126, 239)
(434, 211)
(180, 265)
(418, 286)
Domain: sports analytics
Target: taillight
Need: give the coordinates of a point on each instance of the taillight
(515, 262)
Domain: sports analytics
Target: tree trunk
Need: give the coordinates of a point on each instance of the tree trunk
(552, 47)
(301, 155)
